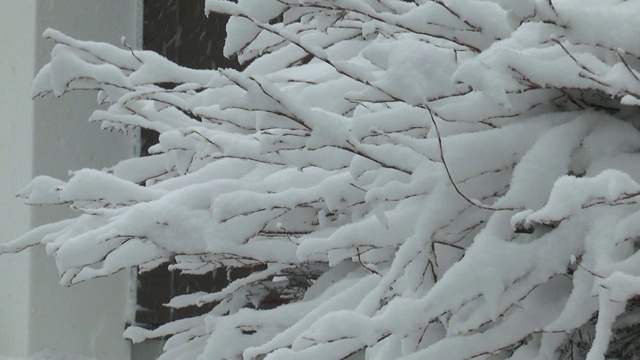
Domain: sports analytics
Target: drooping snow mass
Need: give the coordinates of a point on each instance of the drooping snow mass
(438, 179)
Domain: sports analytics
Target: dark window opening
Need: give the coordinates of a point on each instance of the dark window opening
(180, 31)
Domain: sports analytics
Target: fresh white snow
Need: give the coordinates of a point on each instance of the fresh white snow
(451, 179)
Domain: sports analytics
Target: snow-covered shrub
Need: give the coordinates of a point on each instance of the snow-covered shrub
(446, 179)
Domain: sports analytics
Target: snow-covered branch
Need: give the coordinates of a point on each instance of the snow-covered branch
(429, 179)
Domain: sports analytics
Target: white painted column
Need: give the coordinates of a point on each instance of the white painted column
(49, 137)
(17, 65)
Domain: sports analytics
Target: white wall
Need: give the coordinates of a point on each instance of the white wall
(50, 136)
(16, 71)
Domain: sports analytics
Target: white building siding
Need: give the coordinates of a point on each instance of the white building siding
(50, 136)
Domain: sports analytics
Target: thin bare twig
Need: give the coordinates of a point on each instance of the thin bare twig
(473, 202)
